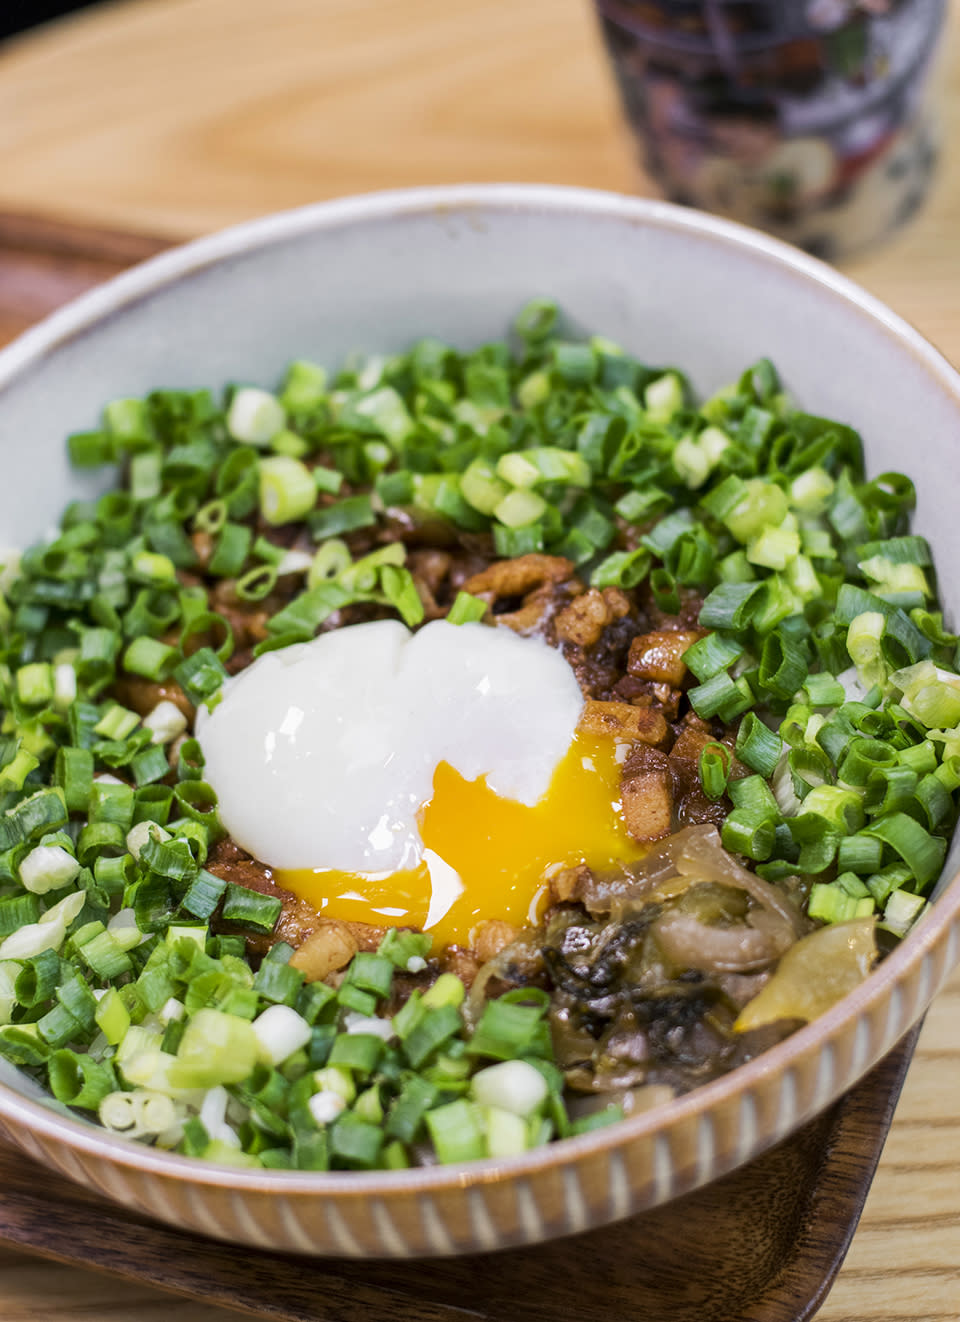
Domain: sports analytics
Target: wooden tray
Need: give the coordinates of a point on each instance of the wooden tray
(762, 1245)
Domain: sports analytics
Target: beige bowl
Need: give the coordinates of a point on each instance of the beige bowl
(375, 273)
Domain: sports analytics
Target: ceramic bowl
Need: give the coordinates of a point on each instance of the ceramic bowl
(374, 273)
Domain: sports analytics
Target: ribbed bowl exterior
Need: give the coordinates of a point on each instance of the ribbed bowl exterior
(648, 1159)
(560, 1190)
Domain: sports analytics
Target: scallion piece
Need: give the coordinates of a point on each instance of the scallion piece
(203, 894)
(288, 491)
(232, 548)
(742, 833)
(456, 1131)
(354, 1143)
(250, 909)
(758, 746)
(714, 769)
(149, 657)
(76, 1079)
(216, 1048)
(344, 516)
(728, 606)
(711, 654)
(278, 983)
(923, 853)
(860, 854)
(200, 675)
(150, 765)
(507, 1029)
(901, 911)
(255, 416)
(466, 609)
(372, 973)
(37, 980)
(401, 593)
(357, 1052)
(47, 868)
(721, 696)
(433, 1029)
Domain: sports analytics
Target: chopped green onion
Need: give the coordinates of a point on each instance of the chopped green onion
(344, 516)
(47, 868)
(149, 657)
(507, 1029)
(78, 1080)
(742, 833)
(714, 769)
(250, 909)
(287, 489)
(922, 852)
(433, 1029)
(721, 696)
(711, 654)
(456, 1131)
(466, 609)
(513, 1085)
(255, 416)
(200, 675)
(216, 1048)
(758, 746)
(728, 606)
(902, 911)
(519, 508)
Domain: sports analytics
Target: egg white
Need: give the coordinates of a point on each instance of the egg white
(322, 754)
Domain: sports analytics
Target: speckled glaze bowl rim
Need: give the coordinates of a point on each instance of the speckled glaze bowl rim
(128, 289)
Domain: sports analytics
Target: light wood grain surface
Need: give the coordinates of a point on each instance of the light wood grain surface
(174, 117)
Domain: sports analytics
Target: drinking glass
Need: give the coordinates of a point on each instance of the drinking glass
(808, 118)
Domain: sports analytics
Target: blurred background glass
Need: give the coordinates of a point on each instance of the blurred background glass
(808, 118)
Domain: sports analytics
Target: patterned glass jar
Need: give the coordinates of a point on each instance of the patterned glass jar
(807, 118)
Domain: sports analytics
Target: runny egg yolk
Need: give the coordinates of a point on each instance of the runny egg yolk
(487, 857)
(431, 779)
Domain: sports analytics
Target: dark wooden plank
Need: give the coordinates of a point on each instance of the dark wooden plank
(44, 264)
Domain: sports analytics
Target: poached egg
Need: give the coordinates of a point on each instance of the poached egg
(431, 780)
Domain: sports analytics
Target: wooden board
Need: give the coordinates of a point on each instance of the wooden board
(181, 116)
(45, 264)
(738, 1249)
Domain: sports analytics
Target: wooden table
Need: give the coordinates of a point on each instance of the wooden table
(164, 119)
